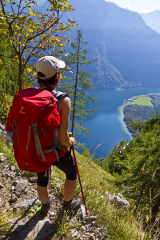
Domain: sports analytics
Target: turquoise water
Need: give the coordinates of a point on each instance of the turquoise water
(106, 125)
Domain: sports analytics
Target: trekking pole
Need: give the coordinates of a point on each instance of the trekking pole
(79, 178)
(73, 125)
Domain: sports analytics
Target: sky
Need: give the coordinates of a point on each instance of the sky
(41, 1)
(134, 5)
(138, 5)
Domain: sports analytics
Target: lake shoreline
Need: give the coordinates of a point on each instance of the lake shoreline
(136, 109)
(121, 118)
(106, 126)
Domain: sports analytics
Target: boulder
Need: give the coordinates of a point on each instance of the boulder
(2, 157)
(118, 199)
(20, 186)
(25, 204)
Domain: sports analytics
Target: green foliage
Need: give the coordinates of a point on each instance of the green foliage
(4, 148)
(4, 225)
(138, 163)
(26, 33)
(8, 78)
(29, 32)
(5, 101)
(116, 161)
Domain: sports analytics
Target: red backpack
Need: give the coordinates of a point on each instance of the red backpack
(33, 118)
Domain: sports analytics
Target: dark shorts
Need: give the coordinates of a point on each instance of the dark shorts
(65, 164)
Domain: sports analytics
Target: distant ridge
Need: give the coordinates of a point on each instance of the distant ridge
(152, 19)
(120, 38)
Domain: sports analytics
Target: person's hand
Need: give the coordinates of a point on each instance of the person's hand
(70, 134)
(72, 140)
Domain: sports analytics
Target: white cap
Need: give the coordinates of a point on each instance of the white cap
(49, 66)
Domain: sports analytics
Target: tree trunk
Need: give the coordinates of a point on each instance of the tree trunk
(20, 73)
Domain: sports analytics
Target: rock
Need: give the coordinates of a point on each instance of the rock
(89, 219)
(20, 186)
(13, 168)
(1, 186)
(13, 199)
(75, 234)
(2, 203)
(33, 229)
(25, 204)
(2, 157)
(118, 200)
(47, 229)
(83, 210)
(32, 179)
(12, 175)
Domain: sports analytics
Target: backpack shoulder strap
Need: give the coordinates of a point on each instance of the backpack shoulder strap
(59, 95)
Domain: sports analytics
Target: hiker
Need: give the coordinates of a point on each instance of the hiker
(49, 76)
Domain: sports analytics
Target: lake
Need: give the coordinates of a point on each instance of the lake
(106, 125)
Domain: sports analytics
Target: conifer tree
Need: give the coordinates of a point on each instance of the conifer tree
(78, 83)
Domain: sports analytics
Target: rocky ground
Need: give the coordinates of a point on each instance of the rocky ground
(19, 206)
(18, 199)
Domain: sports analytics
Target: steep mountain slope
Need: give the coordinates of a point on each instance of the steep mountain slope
(137, 164)
(119, 39)
(152, 19)
(18, 205)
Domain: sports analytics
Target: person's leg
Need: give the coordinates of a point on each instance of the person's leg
(42, 182)
(66, 164)
(69, 189)
(70, 206)
(43, 194)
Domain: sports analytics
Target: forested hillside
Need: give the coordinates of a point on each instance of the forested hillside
(140, 108)
(136, 165)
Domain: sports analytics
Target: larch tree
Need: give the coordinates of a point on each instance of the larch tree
(79, 83)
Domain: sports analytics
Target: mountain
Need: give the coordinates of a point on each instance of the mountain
(152, 19)
(126, 49)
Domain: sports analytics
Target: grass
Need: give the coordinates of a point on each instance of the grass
(144, 101)
(120, 224)
(4, 225)
(4, 148)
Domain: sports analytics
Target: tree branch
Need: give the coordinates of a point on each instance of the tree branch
(33, 49)
(43, 31)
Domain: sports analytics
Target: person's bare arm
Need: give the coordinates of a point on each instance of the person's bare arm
(65, 109)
